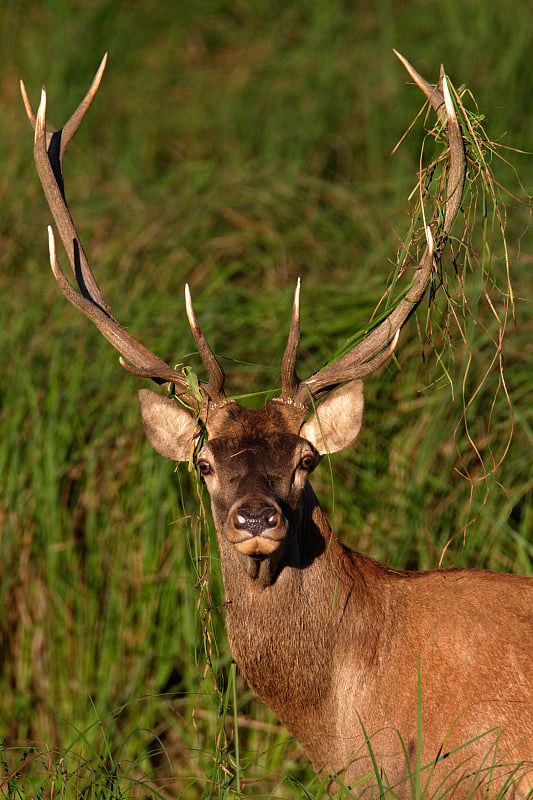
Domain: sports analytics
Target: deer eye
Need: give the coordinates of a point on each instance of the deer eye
(307, 461)
(205, 467)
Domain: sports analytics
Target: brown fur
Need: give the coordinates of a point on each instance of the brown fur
(346, 658)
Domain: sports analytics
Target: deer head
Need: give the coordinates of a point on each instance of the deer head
(254, 463)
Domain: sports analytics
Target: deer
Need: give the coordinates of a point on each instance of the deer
(389, 679)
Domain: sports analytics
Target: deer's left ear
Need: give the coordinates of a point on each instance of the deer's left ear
(336, 421)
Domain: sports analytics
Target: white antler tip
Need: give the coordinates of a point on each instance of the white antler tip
(411, 70)
(100, 71)
(52, 250)
(51, 242)
(191, 316)
(400, 57)
(429, 239)
(41, 113)
(395, 340)
(448, 102)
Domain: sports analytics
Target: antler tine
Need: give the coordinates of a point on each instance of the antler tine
(442, 104)
(121, 340)
(72, 125)
(49, 148)
(377, 346)
(215, 385)
(432, 92)
(289, 378)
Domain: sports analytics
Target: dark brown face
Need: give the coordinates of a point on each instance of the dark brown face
(255, 463)
(256, 484)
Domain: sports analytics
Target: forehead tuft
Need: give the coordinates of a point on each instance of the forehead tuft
(234, 420)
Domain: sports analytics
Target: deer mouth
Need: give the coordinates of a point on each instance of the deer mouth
(257, 529)
(257, 546)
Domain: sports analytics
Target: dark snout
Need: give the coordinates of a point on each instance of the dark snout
(255, 522)
(256, 525)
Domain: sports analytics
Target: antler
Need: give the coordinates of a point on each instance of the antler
(377, 347)
(361, 360)
(49, 149)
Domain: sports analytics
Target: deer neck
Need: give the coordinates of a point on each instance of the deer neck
(286, 620)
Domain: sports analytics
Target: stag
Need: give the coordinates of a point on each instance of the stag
(347, 652)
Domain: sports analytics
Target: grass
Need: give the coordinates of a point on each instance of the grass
(236, 146)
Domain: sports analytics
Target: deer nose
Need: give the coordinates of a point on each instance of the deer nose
(255, 522)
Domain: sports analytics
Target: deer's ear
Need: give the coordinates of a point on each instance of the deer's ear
(337, 421)
(169, 428)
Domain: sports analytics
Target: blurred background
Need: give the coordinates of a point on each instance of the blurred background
(234, 145)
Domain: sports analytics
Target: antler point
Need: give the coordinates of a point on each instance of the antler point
(51, 239)
(297, 297)
(450, 110)
(191, 316)
(101, 68)
(27, 103)
(40, 120)
(429, 240)
(395, 340)
(52, 251)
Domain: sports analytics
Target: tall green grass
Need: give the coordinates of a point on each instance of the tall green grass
(236, 146)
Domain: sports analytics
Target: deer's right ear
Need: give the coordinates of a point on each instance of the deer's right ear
(169, 428)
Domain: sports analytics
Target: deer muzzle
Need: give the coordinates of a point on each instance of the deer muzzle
(256, 526)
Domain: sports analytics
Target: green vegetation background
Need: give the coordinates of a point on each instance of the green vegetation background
(235, 145)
